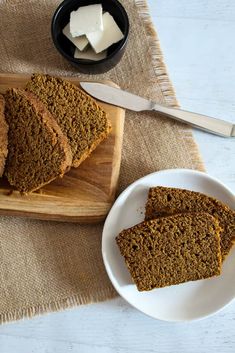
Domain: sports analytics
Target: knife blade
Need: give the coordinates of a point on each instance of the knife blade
(127, 100)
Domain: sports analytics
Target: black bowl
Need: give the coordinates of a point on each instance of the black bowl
(66, 48)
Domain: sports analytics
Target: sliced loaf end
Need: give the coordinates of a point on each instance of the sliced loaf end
(38, 150)
(172, 250)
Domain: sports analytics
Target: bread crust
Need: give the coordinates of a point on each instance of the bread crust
(163, 201)
(31, 166)
(3, 136)
(81, 119)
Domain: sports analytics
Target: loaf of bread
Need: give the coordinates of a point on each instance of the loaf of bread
(163, 201)
(38, 150)
(80, 118)
(3, 136)
(172, 250)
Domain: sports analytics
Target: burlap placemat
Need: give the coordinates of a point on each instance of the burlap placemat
(46, 266)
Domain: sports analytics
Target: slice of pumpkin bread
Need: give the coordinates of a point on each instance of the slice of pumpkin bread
(172, 250)
(81, 119)
(3, 136)
(163, 201)
(38, 150)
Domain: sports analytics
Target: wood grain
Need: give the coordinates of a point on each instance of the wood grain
(84, 194)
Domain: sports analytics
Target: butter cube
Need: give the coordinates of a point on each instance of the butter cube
(101, 40)
(79, 42)
(86, 19)
(89, 54)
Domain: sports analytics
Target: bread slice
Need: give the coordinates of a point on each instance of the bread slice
(172, 250)
(38, 150)
(3, 136)
(81, 119)
(164, 201)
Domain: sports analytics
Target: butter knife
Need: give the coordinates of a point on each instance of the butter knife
(131, 101)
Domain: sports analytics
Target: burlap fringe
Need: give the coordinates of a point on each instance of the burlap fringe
(63, 304)
(163, 80)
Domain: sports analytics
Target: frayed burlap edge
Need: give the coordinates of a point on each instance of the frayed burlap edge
(163, 80)
(57, 305)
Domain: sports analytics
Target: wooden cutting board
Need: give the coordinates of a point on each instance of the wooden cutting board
(85, 194)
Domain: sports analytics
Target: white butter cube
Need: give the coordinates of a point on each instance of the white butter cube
(86, 19)
(111, 34)
(79, 42)
(89, 54)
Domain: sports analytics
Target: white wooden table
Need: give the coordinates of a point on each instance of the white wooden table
(197, 39)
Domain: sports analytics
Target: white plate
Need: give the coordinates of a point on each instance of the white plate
(184, 302)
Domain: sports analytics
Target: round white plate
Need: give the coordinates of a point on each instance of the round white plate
(183, 302)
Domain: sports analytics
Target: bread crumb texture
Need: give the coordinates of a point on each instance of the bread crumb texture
(38, 150)
(81, 119)
(164, 201)
(172, 250)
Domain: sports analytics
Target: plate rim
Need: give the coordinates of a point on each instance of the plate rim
(126, 191)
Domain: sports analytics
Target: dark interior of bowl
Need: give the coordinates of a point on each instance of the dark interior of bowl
(62, 17)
